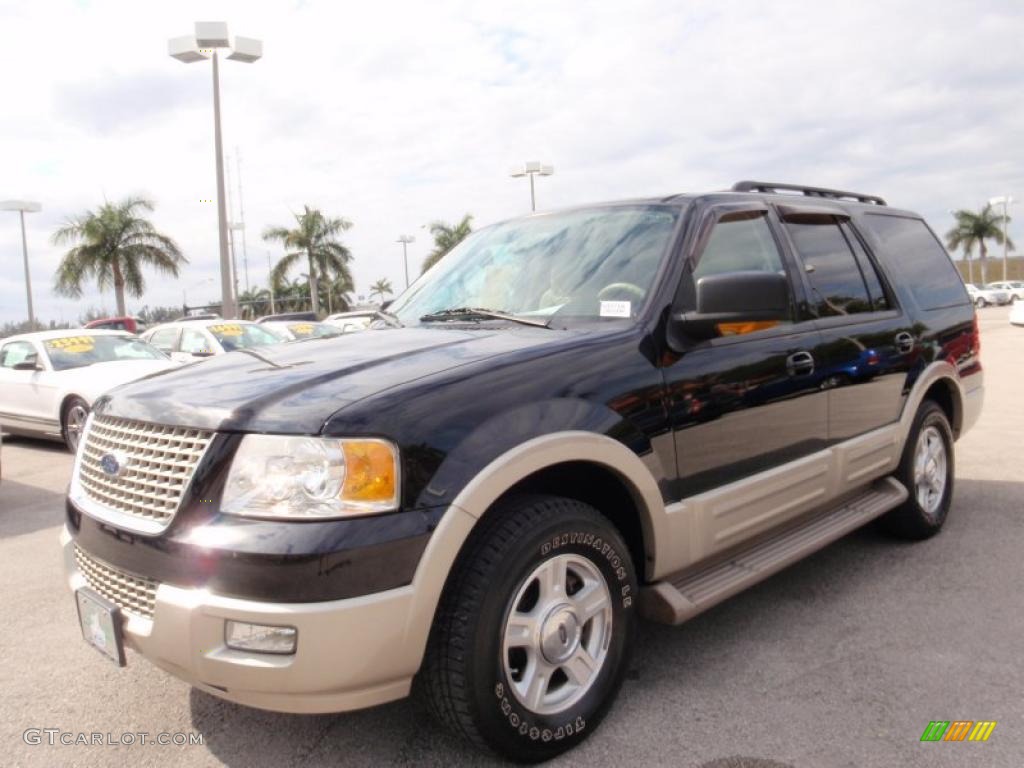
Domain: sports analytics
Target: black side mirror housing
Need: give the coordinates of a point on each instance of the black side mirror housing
(31, 364)
(733, 297)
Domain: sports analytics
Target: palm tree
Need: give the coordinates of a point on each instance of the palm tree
(316, 239)
(974, 229)
(446, 237)
(381, 287)
(114, 243)
(254, 302)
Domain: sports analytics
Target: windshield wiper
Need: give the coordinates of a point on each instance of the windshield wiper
(458, 313)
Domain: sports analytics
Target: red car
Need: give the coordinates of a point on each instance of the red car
(130, 324)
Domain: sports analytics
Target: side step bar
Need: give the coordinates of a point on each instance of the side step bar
(681, 597)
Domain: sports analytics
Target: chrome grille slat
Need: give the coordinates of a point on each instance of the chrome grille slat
(130, 593)
(161, 461)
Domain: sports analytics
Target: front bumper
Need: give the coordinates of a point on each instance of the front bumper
(351, 653)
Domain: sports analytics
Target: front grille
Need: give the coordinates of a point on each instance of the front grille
(156, 465)
(132, 594)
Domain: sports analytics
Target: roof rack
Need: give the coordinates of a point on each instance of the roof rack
(834, 194)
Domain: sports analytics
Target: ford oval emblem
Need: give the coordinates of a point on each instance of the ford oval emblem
(112, 464)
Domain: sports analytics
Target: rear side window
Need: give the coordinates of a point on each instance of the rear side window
(911, 253)
(837, 283)
(879, 300)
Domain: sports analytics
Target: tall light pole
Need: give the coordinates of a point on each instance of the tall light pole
(405, 240)
(1005, 201)
(270, 283)
(241, 216)
(532, 168)
(208, 37)
(23, 207)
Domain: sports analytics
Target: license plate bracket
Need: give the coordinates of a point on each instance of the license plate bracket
(101, 622)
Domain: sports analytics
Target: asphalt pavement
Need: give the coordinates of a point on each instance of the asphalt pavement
(841, 660)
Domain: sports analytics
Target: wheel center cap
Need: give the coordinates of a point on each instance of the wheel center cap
(559, 634)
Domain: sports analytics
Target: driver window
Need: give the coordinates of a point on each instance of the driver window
(16, 352)
(740, 242)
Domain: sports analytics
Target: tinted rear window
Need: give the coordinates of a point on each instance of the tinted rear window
(913, 255)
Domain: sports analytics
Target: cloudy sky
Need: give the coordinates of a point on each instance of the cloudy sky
(396, 114)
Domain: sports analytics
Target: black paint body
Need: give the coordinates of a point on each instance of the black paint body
(455, 396)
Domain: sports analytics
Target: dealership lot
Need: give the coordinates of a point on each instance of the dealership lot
(841, 660)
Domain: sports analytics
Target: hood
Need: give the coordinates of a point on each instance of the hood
(93, 380)
(295, 387)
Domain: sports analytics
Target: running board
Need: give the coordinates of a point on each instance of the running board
(681, 597)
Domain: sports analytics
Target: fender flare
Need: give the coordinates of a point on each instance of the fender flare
(940, 370)
(494, 480)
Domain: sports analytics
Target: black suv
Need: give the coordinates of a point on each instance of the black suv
(574, 418)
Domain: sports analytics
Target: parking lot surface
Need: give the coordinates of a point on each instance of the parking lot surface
(841, 660)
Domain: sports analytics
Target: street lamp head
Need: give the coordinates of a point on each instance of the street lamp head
(1002, 200)
(212, 34)
(185, 49)
(246, 49)
(25, 206)
(406, 239)
(531, 167)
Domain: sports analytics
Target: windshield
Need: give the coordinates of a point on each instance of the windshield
(595, 263)
(312, 330)
(234, 336)
(77, 351)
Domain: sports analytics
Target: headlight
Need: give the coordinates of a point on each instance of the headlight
(279, 476)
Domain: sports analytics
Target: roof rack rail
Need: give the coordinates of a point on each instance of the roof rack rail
(834, 194)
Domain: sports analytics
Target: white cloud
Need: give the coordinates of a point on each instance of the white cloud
(394, 114)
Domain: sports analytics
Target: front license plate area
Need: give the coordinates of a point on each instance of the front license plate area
(101, 622)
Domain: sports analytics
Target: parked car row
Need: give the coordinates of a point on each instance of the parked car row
(49, 380)
(994, 294)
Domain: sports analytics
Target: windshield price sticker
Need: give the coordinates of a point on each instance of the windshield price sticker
(616, 308)
(302, 329)
(226, 330)
(75, 345)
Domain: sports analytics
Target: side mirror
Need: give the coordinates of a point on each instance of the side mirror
(28, 364)
(734, 297)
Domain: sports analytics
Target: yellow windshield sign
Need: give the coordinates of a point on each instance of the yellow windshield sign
(301, 329)
(72, 345)
(226, 330)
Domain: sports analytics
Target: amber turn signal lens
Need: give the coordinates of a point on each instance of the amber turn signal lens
(371, 471)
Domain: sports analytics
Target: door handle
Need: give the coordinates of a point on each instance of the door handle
(904, 342)
(800, 364)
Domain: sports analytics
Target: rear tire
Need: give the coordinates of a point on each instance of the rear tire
(72, 422)
(532, 638)
(927, 471)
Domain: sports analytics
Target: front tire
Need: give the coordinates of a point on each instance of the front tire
(980, 302)
(72, 422)
(532, 638)
(927, 471)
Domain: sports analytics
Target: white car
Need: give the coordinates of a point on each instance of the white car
(983, 295)
(185, 341)
(292, 330)
(1017, 313)
(358, 320)
(50, 379)
(1013, 287)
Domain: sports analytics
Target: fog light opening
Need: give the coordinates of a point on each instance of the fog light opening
(260, 638)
